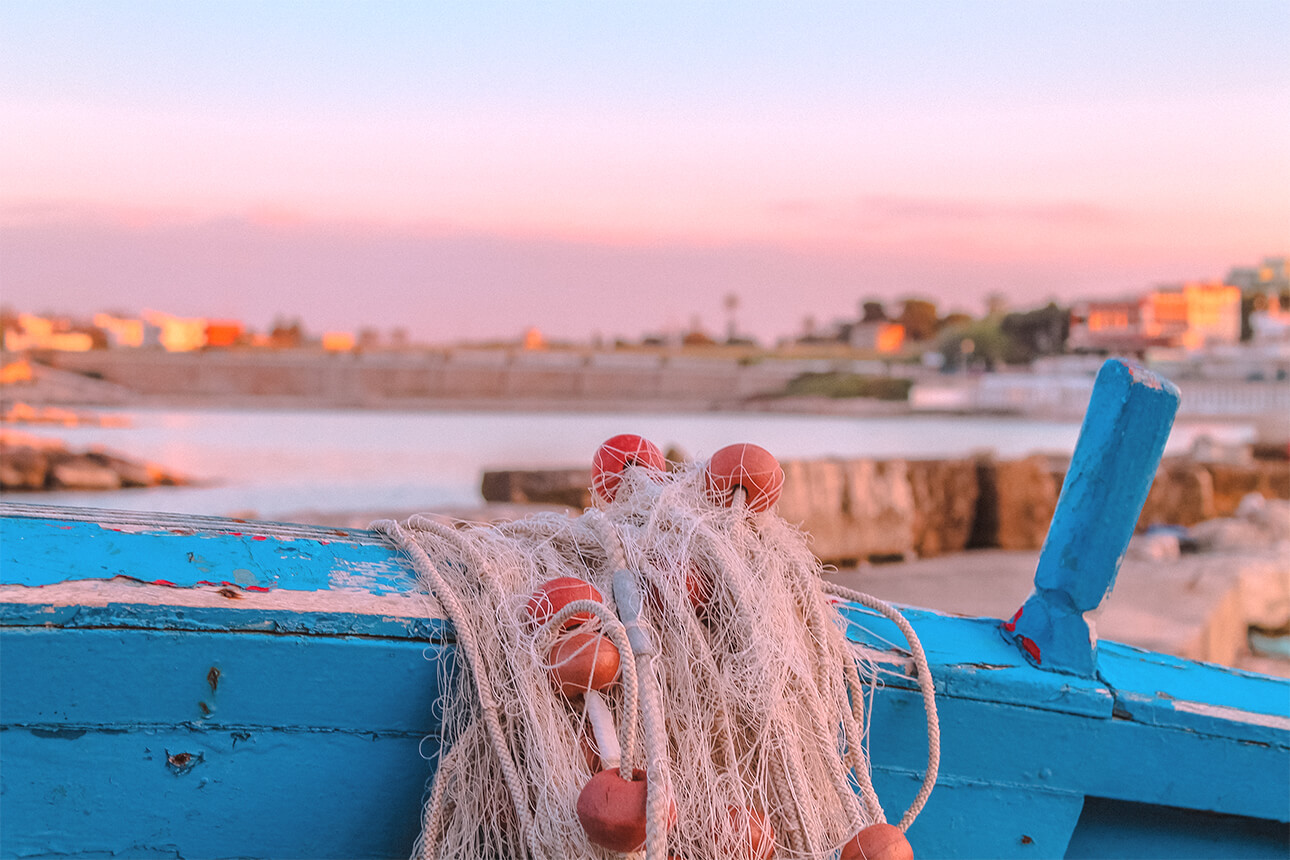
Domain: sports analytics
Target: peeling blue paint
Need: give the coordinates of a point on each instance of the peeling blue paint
(185, 557)
(320, 728)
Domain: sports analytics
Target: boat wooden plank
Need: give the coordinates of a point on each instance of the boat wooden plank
(170, 792)
(980, 818)
(249, 617)
(1147, 831)
(1039, 749)
(1161, 690)
(969, 658)
(123, 679)
(40, 551)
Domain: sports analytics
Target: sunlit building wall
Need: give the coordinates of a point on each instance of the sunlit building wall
(883, 337)
(178, 334)
(121, 331)
(35, 332)
(1194, 315)
(1190, 316)
(222, 334)
(338, 341)
(1213, 312)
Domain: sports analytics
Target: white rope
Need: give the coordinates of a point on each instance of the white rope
(644, 648)
(617, 633)
(925, 685)
(466, 640)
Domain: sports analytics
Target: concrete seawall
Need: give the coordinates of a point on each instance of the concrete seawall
(394, 380)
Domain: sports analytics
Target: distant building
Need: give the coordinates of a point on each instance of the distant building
(177, 334)
(1108, 326)
(1197, 314)
(33, 332)
(338, 341)
(883, 337)
(1270, 324)
(222, 334)
(1272, 274)
(122, 331)
(1190, 316)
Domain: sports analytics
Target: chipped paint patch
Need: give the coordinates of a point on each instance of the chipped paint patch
(414, 605)
(378, 577)
(181, 763)
(1220, 712)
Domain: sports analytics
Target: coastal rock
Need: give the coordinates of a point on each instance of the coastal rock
(1232, 482)
(1182, 494)
(944, 496)
(1277, 475)
(131, 472)
(548, 486)
(36, 463)
(23, 468)
(1015, 503)
(82, 472)
(812, 498)
(853, 509)
(881, 504)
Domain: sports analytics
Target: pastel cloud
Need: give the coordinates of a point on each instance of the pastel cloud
(447, 285)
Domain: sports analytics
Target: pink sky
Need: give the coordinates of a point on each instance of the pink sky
(589, 174)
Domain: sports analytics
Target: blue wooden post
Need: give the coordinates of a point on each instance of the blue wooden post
(1115, 460)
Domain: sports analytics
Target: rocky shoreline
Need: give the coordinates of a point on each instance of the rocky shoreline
(859, 510)
(32, 464)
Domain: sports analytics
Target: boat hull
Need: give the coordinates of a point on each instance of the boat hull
(198, 687)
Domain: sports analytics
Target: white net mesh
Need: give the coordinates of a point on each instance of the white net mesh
(761, 702)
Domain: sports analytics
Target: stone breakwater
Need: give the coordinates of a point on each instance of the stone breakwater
(870, 510)
(31, 463)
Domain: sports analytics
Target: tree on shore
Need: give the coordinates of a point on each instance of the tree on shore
(919, 318)
(1032, 334)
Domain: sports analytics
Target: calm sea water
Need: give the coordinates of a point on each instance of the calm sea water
(275, 462)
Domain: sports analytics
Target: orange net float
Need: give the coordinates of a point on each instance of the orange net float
(614, 456)
(698, 589)
(582, 662)
(555, 594)
(612, 811)
(878, 842)
(748, 467)
(756, 830)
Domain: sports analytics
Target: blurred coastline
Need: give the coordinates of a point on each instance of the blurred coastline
(345, 440)
(1223, 386)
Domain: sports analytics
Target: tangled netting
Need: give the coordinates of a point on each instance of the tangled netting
(738, 692)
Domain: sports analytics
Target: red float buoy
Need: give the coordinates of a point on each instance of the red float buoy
(615, 455)
(746, 466)
(878, 842)
(612, 810)
(698, 589)
(757, 833)
(558, 593)
(584, 661)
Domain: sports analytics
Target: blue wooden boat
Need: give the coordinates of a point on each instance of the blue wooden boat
(196, 687)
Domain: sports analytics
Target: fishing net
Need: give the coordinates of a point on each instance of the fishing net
(735, 692)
